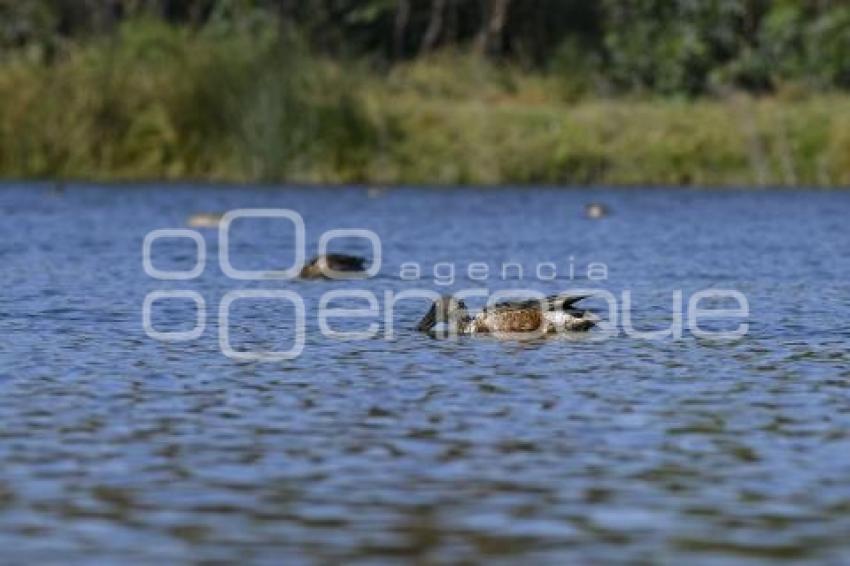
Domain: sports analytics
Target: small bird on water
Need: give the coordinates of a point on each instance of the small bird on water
(550, 315)
(334, 266)
(596, 210)
(204, 220)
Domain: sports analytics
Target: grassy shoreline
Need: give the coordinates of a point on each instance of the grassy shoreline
(160, 103)
(59, 185)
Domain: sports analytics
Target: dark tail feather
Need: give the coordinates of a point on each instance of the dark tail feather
(564, 301)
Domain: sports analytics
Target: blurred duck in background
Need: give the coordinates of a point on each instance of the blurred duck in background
(204, 220)
(334, 266)
(596, 210)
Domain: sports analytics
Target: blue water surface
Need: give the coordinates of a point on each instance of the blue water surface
(117, 447)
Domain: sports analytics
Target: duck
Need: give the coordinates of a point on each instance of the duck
(334, 266)
(550, 315)
(204, 220)
(596, 210)
(375, 192)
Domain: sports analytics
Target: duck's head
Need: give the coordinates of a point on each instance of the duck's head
(445, 310)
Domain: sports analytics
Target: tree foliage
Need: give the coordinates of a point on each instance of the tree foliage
(667, 46)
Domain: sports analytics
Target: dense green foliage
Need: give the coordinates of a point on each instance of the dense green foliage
(694, 47)
(668, 46)
(451, 91)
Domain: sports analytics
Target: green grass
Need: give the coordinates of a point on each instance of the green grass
(163, 103)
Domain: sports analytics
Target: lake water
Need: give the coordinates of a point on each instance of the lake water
(119, 447)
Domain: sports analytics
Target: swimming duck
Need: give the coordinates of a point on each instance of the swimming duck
(375, 192)
(549, 315)
(596, 210)
(204, 220)
(341, 265)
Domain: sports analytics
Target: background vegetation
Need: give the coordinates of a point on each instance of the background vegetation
(427, 91)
